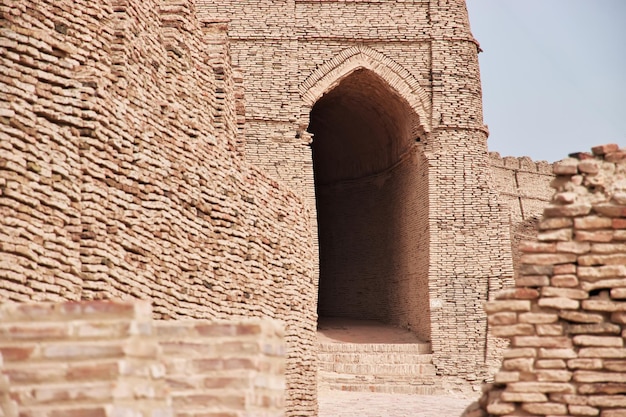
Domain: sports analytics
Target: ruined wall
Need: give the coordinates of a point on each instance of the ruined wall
(120, 176)
(565, 318)
(109, 358)
(524, 187)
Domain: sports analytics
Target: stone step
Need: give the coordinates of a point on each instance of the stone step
(408, 384)
(379, 369)
(414, 348)
(388, 389)
(373, 358)
(401, 368)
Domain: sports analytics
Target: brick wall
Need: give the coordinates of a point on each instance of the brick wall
(524, 187)
(82, 359)
(120, 174)
(108, 358)
(564, 318)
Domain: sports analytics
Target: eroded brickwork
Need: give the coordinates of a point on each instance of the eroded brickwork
(109, 358)
(565, 318)
(119, 174)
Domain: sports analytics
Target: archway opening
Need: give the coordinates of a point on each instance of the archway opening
(371, 190)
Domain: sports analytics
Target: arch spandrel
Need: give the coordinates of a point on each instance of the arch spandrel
(332, 72)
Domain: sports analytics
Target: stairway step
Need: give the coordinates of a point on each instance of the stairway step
(379, 369)
(389, 389)
(373, 358)
(413, 348)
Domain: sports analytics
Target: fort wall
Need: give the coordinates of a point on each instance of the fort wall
(524, 186)
(119, 174)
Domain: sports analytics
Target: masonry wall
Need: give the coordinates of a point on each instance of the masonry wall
(109, 358)
(120, 174)
(374, 247)
(524, 187)
(425, 54)
(564, 318)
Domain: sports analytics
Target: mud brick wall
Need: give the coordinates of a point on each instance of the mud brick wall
(121, 175)
(565, 317)
(109, 358)
(525, 188)
(213, 366)
(81, 359)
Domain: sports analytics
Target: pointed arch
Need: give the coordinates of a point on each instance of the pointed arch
(333, 71)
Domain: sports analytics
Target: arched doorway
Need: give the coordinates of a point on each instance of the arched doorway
(371, 190)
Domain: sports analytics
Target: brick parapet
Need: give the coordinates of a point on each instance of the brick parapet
(563, 318)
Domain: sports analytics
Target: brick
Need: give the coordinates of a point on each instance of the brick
(596, 273)
(592, 260)
(538, 318)
(571, 210)
(532, 280)
(585, 364)
(592, 222)
(528, 246)
(542, 341)
(507, 305)
(574, 246)
(594, 328)
(549, 329)
(602, 388)
(560, 303)
(496, 319)
(583, 410)
(604, 149)
(499, 409)
(594, 376)
(608, 353)
(550, 364)
(541, 387)
(574, 294)
(520, 353)
(564, 281)
(593, 236)
(603, 341)
(512, 330)
(547, 259)
(530, 397)
(557, 353)
(545, 408)
(555, 223)
(504, 377)
(581, 317)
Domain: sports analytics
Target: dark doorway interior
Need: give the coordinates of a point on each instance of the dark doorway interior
(372, 206)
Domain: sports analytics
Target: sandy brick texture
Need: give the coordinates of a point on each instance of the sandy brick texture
(110, 359)
(565, 317)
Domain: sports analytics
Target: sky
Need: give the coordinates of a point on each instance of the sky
(553, 74)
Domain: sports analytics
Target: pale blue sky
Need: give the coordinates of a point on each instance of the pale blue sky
(553, 74)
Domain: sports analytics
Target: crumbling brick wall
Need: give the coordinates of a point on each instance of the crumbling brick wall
(565, 317)
(109, 358)
(121, 175)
